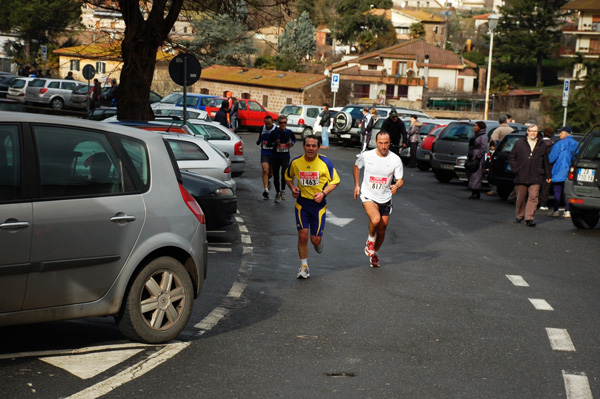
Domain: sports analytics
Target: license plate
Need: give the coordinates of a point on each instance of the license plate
(427, 156)
(586, 175)
(447, 166)
(345, 136)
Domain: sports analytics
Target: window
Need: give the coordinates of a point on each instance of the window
(75, 163)
(361, 90)
(10, 163)
(246, 96)
(312, 112)
(288, 100)
(74, 65)
(54, 85)
(203, 91)
(402, 91)
(372, 67)
(265, 100)
(592, 150)
(458, 132)
(187, 151)
(71, 86)
(254, 106)
(214, 133)
(389, 91)
(100, 67)
(242, 105)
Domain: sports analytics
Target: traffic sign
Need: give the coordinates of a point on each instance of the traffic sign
(44, 53)
(185, 64)
(565, 97)
(335, 82)
(88, 72)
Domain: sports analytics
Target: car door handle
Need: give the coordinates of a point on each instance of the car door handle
(122, 218)
(12, 224)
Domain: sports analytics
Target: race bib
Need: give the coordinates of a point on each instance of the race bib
(283, 148)
(266, 145)
(378, 183)
(309, 178)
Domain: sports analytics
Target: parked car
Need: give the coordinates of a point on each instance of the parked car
(424, 149)
(302, 118)
(582, 188)
(169, 99)
(102, 113)
(193, 154)
(453, 142)
(500, 173)
(52, 92)
(80, 95)
(217, 200)
(345, 122)
(16, 90)
(11, 105)
(251, 114)
(5, 81)
(195, 101)
(93, 219)
(177, 112)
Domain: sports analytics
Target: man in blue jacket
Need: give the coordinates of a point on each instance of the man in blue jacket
(560, 155)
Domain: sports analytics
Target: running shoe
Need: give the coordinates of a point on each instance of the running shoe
(283, 195)
(370, 248)
(567, 214)
(303, 272)
(554, 214)
(265, 194)
(319, 248)
(278, 197)
(375, 261)
(543, 208)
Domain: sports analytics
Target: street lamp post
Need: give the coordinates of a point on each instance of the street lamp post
(492, 22)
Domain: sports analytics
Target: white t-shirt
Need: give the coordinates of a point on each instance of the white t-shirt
(378, 175)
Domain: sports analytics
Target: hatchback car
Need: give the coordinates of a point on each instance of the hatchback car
(5, 82)
(251, 113)
(302, 118)
(53, 92)
(582, 188)
(453, 142)
(95, 221)
(16, 90)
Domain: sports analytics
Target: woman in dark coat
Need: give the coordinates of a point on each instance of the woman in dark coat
(477, 150)
(221, 115)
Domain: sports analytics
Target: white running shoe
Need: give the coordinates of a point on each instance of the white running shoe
(370, 248)
(543, 208)
(303, 272)
(567, 214)
(283, 195)
(278, 197)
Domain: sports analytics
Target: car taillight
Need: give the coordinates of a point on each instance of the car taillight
(238, 149)
(301, 121)
(576, 201)
(192, 204)
(227, 170)
(43, 90)
(571, 175)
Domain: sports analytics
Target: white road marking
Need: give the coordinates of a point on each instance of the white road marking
(246, 239)
(237, 290)
(577, 386)
(62, 352)
(239, 219)
(243, 228)
(247, 250)
(90, 365)
(215, 249)
(560, 340)
(517, 280)
(341, 222)
(540, 304)
(133, 372)
(212, 319)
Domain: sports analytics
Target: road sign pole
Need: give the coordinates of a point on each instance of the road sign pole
(565, 117)
(185, 90)
(334, 93)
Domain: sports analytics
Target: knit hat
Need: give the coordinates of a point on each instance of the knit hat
(566, 129)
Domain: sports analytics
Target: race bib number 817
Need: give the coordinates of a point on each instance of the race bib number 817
(309, 178)
(378, 183)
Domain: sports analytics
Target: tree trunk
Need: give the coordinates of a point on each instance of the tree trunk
(538, 81)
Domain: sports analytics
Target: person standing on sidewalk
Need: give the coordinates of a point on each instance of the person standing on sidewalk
(281, 139)
(414, 137)
(560, 156)
(529, 160)
(316, 178)
(265, 154)
(325, 122)
(394, 126)
(381, 167)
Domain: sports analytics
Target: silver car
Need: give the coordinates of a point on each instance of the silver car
(16, 91)
(302, 118)
(53, 92)
(95, 221)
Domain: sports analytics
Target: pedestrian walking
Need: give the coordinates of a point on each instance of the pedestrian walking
(529, 161)
(381, 168)
(414, 138)
(96, 94)
(501, 131)
(281, 139)
(222, 114)
(478, 145)
(265, 154)
(395, 127)
(316, 178)
(560, 155)
(325, 122)
(233, 115)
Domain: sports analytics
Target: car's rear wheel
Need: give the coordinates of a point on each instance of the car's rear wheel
(158, 303)
(443, 176)
(56, 103)
(584, 220)
(422, 165)
(503, 192)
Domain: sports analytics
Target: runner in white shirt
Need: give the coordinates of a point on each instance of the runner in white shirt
(376, 191)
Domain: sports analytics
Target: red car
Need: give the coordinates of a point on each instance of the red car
(251, 113)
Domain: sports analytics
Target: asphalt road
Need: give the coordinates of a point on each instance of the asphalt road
(465, 305)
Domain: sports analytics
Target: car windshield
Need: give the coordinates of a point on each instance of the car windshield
(592, 150)
(355, 112)
(216, 102)
(427, 127)
(190, 101)
(37, 83)
(291, 110)
(458, 132)
(171, 98)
